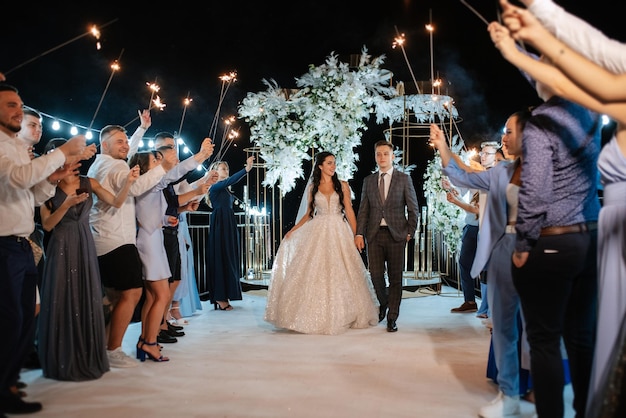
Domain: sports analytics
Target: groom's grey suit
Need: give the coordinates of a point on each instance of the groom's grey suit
(400, 211)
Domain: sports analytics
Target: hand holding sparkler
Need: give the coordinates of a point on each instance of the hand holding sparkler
(249, 162)
(206, 150)
(146, 123)
(522, 25)
(146, 118)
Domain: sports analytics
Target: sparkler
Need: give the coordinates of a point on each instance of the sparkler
(158, 104)
(114, 67)
(186, 103)
(227, 80)
(430, 28)
(93, 31)
(154, 89)
(475, 12)
(227, 138)
(399, 41)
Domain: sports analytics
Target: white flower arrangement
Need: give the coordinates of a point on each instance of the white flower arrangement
(327, 113)
(444, 216)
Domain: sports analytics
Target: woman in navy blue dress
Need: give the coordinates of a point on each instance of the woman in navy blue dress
(223, 251)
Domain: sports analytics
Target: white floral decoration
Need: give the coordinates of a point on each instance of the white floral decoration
(444, 216)
(327, 113)
(425, 108)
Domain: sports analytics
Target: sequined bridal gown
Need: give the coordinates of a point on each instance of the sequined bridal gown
(319, 283)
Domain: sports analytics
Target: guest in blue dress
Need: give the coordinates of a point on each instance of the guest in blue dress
(223, 250)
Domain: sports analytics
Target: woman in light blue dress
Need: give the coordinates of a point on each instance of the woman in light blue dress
(150, 210)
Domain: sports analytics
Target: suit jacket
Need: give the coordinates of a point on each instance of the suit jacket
(494, 181)
(401, 195)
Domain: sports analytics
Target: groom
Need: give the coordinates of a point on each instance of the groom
(383, 221)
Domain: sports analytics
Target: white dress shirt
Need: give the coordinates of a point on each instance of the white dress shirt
(113, 227)
(388, 173)
(23, 185)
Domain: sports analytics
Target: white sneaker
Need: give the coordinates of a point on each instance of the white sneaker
(118, 358)
(502, 406)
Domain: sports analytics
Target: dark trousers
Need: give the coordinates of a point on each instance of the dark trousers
(558, 292)
(384, 251)
(469, 241)
(18, 280)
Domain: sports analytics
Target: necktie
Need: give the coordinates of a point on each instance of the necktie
(381, 186)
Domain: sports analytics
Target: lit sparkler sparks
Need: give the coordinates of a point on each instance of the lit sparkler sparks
(430, 28)
(93, 31)
(186, 103)
(155, 103)
(228, 137)
(227, 80)
(399, 41)
(114, 68)
(158, 104)
(154, 88)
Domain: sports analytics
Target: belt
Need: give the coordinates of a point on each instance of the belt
(170, 231)
(569, 229)
(14, 238)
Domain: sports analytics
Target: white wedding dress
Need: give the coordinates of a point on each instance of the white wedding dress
(319, 283)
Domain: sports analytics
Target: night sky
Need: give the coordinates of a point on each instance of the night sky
(185, 48)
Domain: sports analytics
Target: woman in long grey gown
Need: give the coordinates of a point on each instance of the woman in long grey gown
(72, 338)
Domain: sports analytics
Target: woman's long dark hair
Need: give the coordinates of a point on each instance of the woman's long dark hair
(317, 177)
(143, 160)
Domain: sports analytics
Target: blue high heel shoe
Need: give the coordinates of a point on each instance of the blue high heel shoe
(142, 354)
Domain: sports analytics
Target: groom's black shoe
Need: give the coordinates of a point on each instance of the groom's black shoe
(391, 325)
(382, 312)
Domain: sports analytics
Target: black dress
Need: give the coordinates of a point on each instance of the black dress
(223, 251)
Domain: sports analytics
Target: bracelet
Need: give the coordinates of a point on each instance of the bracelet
(54, 183)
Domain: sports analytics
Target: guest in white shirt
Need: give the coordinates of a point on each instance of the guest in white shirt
(24, 184)
(114, 231)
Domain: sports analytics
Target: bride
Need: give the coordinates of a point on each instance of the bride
(319, 283)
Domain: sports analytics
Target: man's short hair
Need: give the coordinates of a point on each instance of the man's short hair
(494, 144)
(383, 142)
(32, 112)
(8, 87)
(108, 131)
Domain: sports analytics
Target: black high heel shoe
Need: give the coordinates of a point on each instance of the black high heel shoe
(141, 353)
(217, 306)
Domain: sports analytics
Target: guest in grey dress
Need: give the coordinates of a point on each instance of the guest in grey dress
(72, 338)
